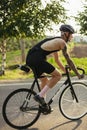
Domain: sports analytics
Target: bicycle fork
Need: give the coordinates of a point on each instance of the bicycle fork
(73, 93)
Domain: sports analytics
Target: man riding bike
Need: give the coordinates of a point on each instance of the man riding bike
(36, 58)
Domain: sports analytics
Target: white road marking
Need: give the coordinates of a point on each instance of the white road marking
(29, 83)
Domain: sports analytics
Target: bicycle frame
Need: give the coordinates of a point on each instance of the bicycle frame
(66, 82)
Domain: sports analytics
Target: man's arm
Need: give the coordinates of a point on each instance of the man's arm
(69, 61)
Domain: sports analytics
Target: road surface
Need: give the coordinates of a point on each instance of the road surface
(53, 121)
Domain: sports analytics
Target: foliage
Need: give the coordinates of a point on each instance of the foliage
(9, 10)
(27, 17)
(82, 19)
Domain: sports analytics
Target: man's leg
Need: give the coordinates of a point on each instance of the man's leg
(43, 83)
(56, 76)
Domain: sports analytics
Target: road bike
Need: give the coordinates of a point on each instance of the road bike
(20, 110)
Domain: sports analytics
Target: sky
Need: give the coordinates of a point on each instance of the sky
(73, 6)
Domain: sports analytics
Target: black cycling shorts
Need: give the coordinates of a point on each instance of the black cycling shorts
(40, 65)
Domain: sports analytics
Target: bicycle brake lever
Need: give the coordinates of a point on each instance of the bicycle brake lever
(83, 71)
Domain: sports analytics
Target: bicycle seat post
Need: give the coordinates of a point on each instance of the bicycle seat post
(36, 77)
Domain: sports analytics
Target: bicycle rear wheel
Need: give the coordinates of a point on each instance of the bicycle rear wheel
(69, 107)
(20, 110)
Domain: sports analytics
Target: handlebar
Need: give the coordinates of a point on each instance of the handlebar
(81, 69)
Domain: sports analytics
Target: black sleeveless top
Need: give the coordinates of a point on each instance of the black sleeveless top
(38, 48)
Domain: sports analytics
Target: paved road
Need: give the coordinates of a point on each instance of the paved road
(53, 121)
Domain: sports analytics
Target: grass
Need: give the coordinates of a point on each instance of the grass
(13, 58)
(15, 74)
(79, 62)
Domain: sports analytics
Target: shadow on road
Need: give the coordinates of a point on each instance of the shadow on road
(30, 129)
(77, 125)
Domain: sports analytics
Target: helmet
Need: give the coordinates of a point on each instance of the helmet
(67, 28)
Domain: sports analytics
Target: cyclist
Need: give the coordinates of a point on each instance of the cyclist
(36, 58)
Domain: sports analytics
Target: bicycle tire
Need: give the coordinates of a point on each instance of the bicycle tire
(69, 107)
(20, 118)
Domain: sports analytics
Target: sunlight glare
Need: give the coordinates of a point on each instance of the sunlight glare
(45, 2)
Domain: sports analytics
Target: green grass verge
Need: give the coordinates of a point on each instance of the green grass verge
(18, 74)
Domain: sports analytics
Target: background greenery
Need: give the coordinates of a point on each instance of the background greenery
(14, 58)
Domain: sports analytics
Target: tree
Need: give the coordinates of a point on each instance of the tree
(28, 18)
(82, 19)
(8, 11)
(34, 20)
(22, 18)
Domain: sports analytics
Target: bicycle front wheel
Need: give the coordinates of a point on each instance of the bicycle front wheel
(68, 105)
(20, 110)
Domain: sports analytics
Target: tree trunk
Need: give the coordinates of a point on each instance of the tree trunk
(3, 51)
(22, 45)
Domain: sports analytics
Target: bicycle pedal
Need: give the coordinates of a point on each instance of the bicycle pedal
(46, 109)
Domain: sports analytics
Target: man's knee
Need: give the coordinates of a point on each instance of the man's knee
(57, 75)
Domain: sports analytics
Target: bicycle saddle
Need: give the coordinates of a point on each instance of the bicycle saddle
(24, 68)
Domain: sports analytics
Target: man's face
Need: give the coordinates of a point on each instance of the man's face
(70, 36)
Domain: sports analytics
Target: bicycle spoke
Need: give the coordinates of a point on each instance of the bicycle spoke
(20, 112)
(69, 107)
